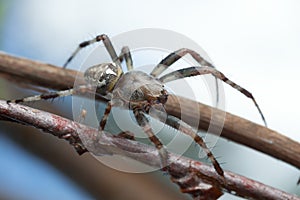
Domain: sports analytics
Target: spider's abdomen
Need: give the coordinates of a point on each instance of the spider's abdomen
(137, 86)
(104, 76)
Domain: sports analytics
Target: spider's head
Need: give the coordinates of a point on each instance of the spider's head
(104, 76)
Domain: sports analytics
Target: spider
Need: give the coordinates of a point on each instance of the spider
(139, 91)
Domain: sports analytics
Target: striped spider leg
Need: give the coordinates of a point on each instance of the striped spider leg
(179, 54)
(144, 123)
(195, 71)
(175, 56)
(185, 128)
(107, 43)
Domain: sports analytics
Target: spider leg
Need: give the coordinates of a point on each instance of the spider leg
(125, 53)
(49, 95)
(195, 71)
(82, 89)
(144, 123)
(105, 116)
(107, 43)
(176, 55)
(188, 130)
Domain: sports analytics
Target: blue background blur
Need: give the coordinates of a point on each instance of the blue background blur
(256, 43)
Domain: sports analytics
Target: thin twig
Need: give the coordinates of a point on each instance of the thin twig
(235, 128)
(193, 176)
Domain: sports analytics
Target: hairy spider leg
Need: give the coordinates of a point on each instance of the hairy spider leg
(195, 71)
(107, 43)
(143, 122)
(175, 56)
(125, 53)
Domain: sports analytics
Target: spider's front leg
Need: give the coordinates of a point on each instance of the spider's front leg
(183, 127)
(196, 71)
(176, 55)
(144, 123)
(188, 130)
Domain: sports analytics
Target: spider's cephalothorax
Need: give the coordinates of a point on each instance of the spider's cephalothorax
(137, 86)
(139, 91)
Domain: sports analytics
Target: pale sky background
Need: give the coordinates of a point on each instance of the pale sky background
(255, 43)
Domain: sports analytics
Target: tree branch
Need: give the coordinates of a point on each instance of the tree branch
(192, 176)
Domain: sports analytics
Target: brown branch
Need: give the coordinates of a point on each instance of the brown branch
(193, 176)
(235, 128)
(95, 178)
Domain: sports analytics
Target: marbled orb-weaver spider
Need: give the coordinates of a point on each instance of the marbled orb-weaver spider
(141, 91)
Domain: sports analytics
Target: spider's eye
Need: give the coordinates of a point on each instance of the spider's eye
(103, 76)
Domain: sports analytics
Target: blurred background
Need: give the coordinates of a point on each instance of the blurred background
(255, 43)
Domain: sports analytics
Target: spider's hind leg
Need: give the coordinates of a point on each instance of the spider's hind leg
(45, 96)
(107, 43)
